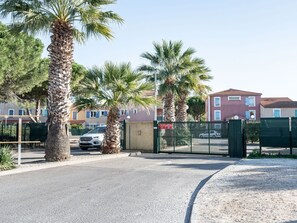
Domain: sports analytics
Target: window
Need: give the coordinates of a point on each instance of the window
(250, 115)
(74, 115)
(217, 101)
(124, 112)
(10, 111)
(22, 112)
(250, 101)
(103, 113)
(234, 98)
(92, 114)
(277, 113)
(295, 113)
(217, 115)
(134, 111)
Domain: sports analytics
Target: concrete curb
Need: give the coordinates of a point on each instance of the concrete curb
(46, 165)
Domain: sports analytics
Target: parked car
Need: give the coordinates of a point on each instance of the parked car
(92, 139)
(210, 134)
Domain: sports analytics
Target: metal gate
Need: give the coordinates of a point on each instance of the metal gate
(278, 135)
(193, 137)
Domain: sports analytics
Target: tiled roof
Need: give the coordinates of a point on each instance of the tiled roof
(268, 101)
(284, 102)
(235, 92)
(77, 121)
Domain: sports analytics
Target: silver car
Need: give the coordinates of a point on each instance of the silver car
(210, 134)
(92, 139)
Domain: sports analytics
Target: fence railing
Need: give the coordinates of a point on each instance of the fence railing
(278, 133)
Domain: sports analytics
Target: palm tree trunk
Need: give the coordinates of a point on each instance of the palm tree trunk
(182, 132)
(112, 141)
(181, 113)
(61, 56)
(169, 116)
(169, 110)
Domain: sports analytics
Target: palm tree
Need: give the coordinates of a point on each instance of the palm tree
(167, 63)
(60, 18)
(113, 87)
(192, 81)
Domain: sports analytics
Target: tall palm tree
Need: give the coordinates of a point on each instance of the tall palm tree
(167, 63)
(113, 87)
(61, 18)
(191, 81)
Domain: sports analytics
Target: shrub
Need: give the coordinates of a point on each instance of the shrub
(253, 131)
(256, 154)
(6, 158)
(76, 126)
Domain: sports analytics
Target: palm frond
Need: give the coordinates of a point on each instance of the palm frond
(117, 85)
(36, 16)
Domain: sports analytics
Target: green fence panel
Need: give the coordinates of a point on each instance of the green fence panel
(38, 132)
(30, 132)
(78, 132)
(8, 132)
(275, 132)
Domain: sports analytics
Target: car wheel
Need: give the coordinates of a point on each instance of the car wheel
(84, 148)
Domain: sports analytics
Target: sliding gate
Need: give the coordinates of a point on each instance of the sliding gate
(193, 137)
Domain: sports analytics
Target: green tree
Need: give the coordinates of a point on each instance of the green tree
(78, 73)
(191, 81)
(196, 108)
(38, 94)
(113, 87)
(20, 56)
(167, 64)
(61, 18)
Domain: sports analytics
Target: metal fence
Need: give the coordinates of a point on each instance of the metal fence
(30, 132)
(193, 137)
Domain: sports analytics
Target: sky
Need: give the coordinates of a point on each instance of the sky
(249, 45)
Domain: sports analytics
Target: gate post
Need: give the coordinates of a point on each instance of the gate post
(156, 148)
(236, 139)
(125, 134)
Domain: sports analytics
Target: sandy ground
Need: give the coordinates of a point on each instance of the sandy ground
(262, 190)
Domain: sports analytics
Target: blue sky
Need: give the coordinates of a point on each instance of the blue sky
(248, 44)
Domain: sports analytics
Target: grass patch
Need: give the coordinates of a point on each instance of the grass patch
(6, 158)
(257, 155)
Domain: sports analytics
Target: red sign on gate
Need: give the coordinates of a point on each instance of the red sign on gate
(165, 126)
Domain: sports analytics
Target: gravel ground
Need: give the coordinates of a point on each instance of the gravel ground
(251, 191)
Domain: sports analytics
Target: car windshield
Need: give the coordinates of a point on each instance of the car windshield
(98, 130)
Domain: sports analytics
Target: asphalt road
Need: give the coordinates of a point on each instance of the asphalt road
(148, 188)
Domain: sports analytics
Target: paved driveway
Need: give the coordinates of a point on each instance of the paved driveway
(147, 188)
